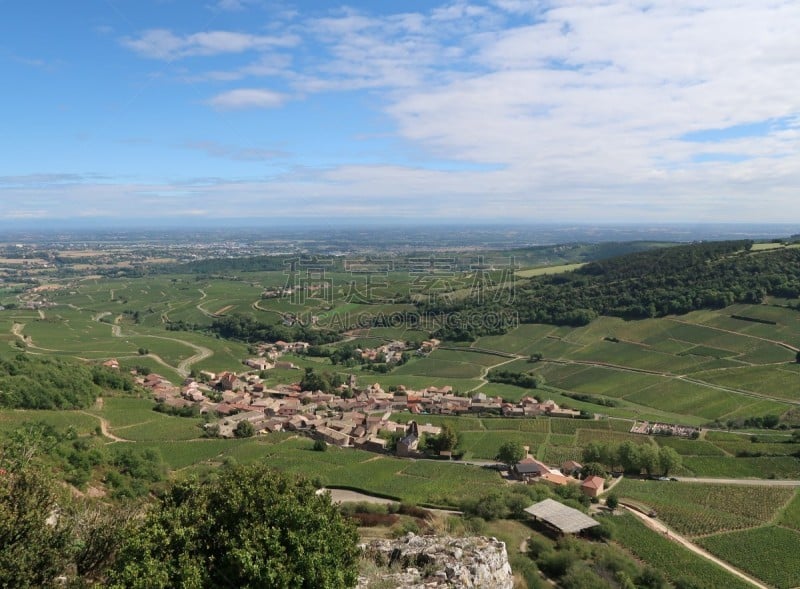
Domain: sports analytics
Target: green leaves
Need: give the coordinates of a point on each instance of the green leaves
(251, 527)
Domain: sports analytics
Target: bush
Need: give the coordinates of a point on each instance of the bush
(556, 564)
(251, 527)
(244, 429)
(413, 511)
(371, 520)
(601, 532)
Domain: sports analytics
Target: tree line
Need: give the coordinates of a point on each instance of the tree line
(248, 329)
(631, 458)
(653, 283)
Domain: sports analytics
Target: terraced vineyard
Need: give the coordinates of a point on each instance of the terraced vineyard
(699, 509)
(747, 549)
(677, 562)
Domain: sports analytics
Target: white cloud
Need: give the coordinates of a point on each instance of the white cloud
(233, 5)
(557, 108)
(246, 154)
(166, 45)
(247, 98)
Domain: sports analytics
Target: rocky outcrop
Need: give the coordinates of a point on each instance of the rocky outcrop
(437, 562)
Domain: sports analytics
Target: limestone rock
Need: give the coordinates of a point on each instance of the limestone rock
(439, 562)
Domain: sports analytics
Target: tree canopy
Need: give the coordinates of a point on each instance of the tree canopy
(251, 527)
(511, 453)
(653, 283)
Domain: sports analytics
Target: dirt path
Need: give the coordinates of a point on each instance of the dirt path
(16, 329)
(345, 496)
(184, 366)
(486, 370)
(677, 538)
(104, 428)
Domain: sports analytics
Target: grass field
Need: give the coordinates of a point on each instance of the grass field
(637, 362)
(437, 483)
(784, 467)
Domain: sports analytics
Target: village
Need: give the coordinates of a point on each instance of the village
(349, 416)
(353, 416)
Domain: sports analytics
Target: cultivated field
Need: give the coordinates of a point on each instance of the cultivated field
(747, 549)
(698, 509)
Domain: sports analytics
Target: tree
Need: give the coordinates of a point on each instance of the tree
(511, 453)
(593, 469)
(320, 445)
(628, 457)
(593, 452)
(648, 458)
(251, 527)
(244, 429)
(35, 529)
(669, 460)
(447, 440)
(612, 502)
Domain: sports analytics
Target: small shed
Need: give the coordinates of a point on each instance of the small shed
(593, 485)
(560, 518)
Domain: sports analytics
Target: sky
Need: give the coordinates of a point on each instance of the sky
(206, 111)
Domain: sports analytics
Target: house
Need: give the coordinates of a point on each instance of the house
(407, 446)
(227, 380)
(331, 436)
(530, 468)
(113, 363)
(593, 485)
(555, 479)
(571, 468)
(258, 363)
(370, 443)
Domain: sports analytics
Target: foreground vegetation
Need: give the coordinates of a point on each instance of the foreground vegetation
(247, 526)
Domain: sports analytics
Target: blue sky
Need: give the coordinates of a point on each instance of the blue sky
(558, 110)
